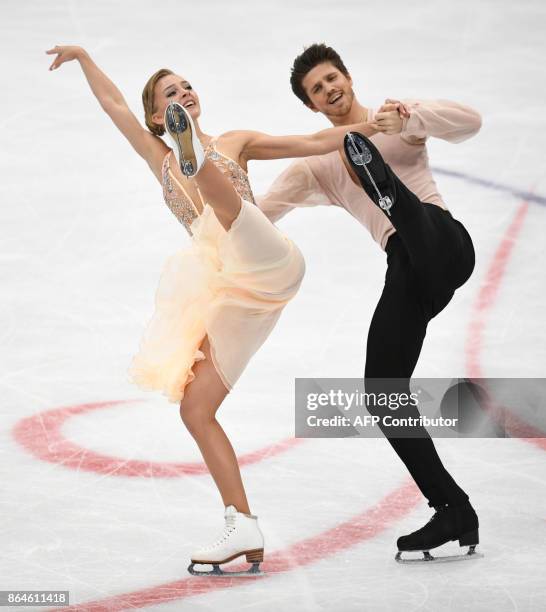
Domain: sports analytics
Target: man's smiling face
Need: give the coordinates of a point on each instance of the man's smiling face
(329, 90)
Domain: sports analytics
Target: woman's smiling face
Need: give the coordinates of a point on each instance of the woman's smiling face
(174, 88)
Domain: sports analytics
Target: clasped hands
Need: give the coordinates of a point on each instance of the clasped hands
(389, 119)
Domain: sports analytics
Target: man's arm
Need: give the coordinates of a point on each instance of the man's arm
(297, 186)
(444, 119)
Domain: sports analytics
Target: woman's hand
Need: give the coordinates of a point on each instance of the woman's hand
(389, 119)
(402, 108)
(64, 54)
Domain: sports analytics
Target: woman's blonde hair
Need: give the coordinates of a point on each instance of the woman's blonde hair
(148, 94)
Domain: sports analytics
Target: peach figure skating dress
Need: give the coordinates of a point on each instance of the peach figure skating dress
(228, 285)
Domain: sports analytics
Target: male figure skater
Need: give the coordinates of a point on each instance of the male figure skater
(429, 254)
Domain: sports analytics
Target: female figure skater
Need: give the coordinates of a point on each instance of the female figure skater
(217, 301)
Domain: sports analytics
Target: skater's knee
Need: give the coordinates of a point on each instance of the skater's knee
(195, 417)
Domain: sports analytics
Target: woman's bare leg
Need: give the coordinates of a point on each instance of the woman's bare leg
(202, 398)
(218, 192)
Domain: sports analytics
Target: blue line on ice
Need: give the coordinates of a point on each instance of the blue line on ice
(518, 193)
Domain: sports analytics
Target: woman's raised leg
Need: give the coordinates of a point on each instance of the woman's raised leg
(217, 191)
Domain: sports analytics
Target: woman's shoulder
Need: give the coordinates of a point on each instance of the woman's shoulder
(232, 139)
(231, 144)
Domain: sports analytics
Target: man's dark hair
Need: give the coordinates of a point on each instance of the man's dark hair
(313, 56)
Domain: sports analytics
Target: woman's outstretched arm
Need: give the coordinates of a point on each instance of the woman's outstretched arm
(148, 146)
(256, 145)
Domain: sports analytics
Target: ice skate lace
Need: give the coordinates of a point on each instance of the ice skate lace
(436, 515)
(229, 528)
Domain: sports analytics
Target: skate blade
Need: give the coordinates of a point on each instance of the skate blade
(428, 558)
(217, 571)
(180, 132)
(176, 120)
(358, 151)
(385, 203)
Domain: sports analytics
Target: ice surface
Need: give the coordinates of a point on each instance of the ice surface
(85, 233)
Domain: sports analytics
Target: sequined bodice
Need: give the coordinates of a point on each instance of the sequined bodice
(234, 172)
(178, 200)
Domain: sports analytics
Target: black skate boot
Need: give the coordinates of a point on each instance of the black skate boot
(448, 523)
(374, 174)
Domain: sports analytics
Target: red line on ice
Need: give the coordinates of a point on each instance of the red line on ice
(360, 528)
(486, 298)
(41, 435)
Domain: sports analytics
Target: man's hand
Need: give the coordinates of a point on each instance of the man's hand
(403, 109)
(389, 119)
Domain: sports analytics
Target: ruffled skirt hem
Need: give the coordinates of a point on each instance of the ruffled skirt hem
(230, 286)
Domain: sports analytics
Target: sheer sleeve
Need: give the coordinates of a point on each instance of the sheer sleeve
(296, 187)
(444, 119)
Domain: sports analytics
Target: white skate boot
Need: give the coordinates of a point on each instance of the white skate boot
(241, 536)
(186, 146)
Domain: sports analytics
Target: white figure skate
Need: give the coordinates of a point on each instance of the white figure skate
(186, 146)
(241, 536)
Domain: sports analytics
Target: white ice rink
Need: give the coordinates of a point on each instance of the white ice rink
(106, 499)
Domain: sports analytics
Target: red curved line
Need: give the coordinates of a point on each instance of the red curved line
(486, 298)
(488, 293)
(356, 530)
(41, 435)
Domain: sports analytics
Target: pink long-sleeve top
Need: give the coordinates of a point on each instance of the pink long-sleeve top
(324, 180)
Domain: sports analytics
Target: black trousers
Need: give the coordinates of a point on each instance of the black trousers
(428, 258)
